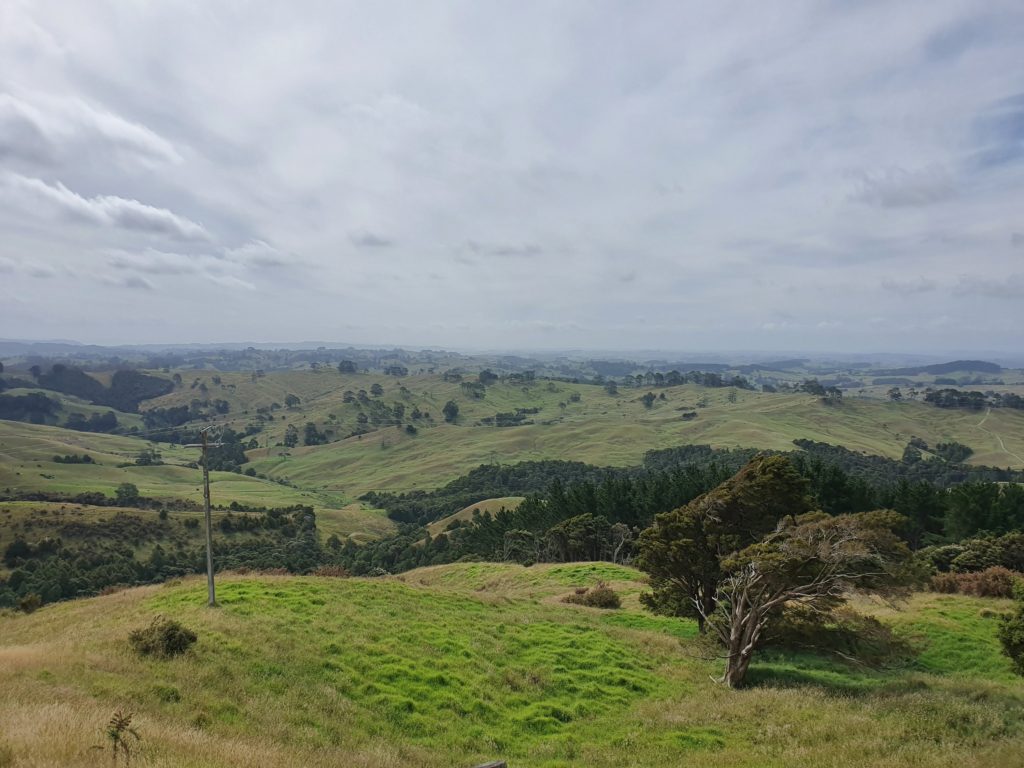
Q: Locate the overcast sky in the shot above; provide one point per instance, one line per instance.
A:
(613, 175)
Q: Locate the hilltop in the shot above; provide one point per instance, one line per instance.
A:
(459, 664)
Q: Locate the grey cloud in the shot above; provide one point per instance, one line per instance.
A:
(42, 272)
(898, 187)
(1009, 287)
(1017, 239)
(371, 240)
(910, 287)
(154, 262)
(957, 38)
(104, 210)
(998, 133)
(526, 250)
(138, 283)
(132, 282)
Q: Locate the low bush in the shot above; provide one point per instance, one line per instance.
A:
(332, 571)
(30, 602)
(991, 582)
(598, 596)
(947, 583)
(1011, 636)
(995, 581)
(163, 638)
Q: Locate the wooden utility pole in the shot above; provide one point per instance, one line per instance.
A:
(212, 601)
(209, 526)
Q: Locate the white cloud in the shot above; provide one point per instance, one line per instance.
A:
(103, 210)
(898, 187)
(49, 130)
(231, 281)
(257, 253)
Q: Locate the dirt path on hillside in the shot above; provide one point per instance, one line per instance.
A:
(1002, 445)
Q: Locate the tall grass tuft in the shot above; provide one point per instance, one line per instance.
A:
(598, 596)
(163, 638)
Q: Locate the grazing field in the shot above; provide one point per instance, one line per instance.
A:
(560, 420)
(26, 464)
(618, 431)
(455, 665)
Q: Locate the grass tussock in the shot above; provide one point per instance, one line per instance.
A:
(162, 639)
(598, 596)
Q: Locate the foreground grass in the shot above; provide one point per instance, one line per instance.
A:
(458, 664)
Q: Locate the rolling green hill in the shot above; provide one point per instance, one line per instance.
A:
(26, 464)
(600, 429)
(70, 404)
(560, 420)
(460, 664)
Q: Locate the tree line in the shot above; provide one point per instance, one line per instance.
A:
(572, 508)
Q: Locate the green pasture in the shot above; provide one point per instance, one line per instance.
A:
(456, 665)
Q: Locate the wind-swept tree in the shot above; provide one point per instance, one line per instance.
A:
(814, 561)
(683, 550)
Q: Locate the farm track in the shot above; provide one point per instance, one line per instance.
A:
(999, 439)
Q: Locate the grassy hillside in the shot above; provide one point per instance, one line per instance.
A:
(26, 464)
(617, 431)
(71, 404)
(486, 505)
(572, 421)
(579, 421)
(459, 664)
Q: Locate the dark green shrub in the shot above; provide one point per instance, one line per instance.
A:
(599, 596)
(978, 554)
(844, 633)
(30, 602)
(331, 571)
(1011, 635)
(163, 638)
(942, 557)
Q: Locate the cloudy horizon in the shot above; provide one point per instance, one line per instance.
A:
(727, 176)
